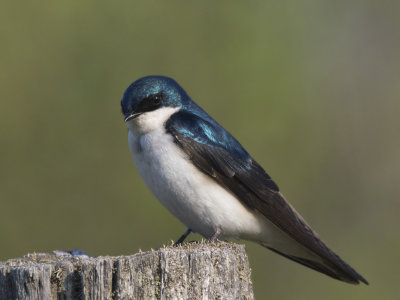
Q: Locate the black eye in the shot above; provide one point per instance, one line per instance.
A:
(156, 99)
(150, 103)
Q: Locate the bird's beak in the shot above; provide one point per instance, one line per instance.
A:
(131, 116)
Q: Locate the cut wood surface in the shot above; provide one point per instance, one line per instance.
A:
(192, 271)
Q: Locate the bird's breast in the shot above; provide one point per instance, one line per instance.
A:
(193, 197)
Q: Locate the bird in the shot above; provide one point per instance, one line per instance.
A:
(209, 182)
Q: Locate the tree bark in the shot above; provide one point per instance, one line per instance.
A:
(192, 271)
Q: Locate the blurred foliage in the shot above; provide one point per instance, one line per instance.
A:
(311, 88)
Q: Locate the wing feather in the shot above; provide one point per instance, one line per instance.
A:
(218, 154)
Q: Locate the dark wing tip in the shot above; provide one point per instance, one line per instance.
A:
(362, 279)
(351, 276)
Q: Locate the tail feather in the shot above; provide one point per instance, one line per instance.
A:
(346, 274)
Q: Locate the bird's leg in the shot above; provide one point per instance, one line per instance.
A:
(215, 235)
(183, 237)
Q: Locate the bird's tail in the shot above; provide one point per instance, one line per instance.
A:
(335, 267)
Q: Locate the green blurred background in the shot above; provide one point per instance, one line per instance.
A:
(311, 88)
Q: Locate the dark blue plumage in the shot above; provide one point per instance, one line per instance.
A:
(172, 93)
(213, 149)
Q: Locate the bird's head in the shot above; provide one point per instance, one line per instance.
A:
(150, 101)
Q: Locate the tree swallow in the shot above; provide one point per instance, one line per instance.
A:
(207, 180)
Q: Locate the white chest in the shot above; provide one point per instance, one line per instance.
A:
(194, 198)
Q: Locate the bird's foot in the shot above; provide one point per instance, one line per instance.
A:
(215, 236)
(183, 237)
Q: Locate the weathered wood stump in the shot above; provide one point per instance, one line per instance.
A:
(192, 271)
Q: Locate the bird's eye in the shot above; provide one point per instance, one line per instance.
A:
(156, 99)
(150, 103)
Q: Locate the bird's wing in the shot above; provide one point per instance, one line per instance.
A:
(218, 154)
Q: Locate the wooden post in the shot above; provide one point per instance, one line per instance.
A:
(192, 271)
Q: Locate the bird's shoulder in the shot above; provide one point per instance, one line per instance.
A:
(213, 149)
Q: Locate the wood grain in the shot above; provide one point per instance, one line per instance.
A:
(192, 271)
